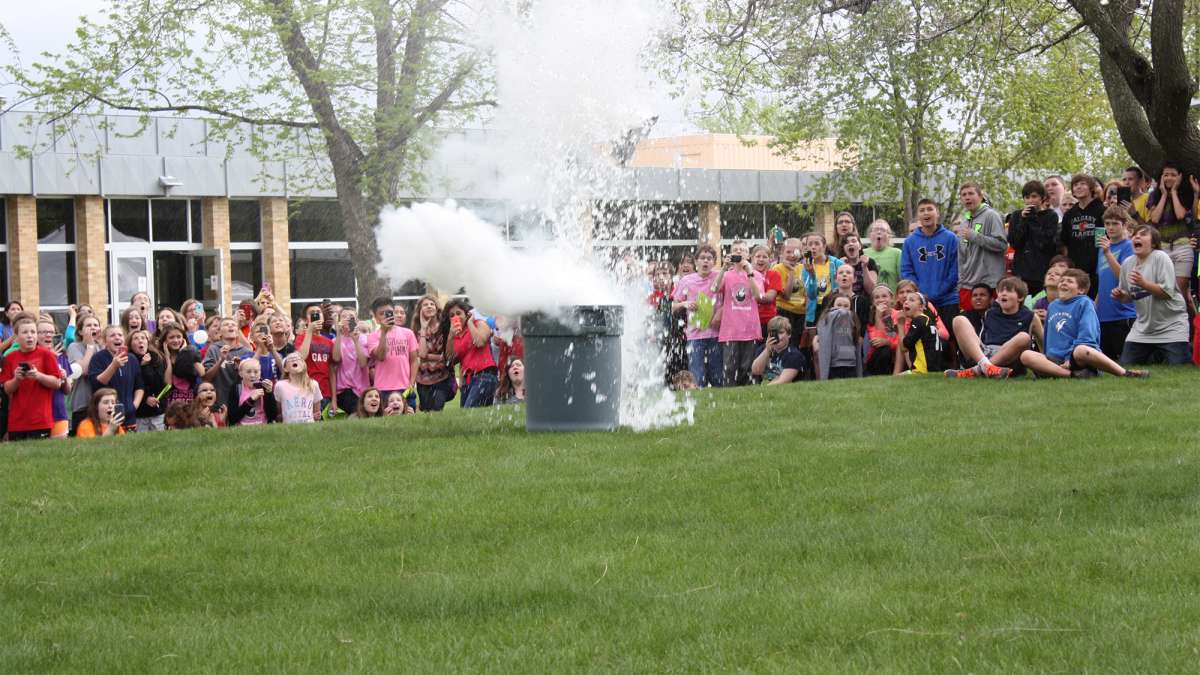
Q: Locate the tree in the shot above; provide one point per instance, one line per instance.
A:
(367, 78)
(1150, 96)
(920, 95)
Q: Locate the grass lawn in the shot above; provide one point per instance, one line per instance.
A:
(889, 524)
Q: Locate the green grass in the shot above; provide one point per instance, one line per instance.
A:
(889, 524)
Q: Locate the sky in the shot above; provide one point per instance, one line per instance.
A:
(36, 30)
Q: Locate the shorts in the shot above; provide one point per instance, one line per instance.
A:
(1069, 364)
(990, 351)
(1182, 256)
(36, 434)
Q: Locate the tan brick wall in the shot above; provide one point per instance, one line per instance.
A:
(710, 224)
(215, 234)
(21, 216)
(824, 221)
(91, 260)
(277, 266)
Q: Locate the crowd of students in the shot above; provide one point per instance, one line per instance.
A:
(1087, 277)
(183, 369)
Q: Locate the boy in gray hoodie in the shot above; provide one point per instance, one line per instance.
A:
(982, 243)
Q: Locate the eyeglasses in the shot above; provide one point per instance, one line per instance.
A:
(46, 332)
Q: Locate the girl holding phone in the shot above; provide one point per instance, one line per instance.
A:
(469, 345)
(104, 416)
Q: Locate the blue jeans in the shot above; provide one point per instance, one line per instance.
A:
(705, 362)
(481, 391)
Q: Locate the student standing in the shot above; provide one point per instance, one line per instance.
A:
(981, 244)
(737, 290)
(30, 377)
(693, 296)
(886, 256)
(930, 258)
(1034, 235)
(1082, 226)
(1116, 317)
(393, 349)
(114, 369)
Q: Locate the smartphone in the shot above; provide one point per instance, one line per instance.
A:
(260, 385)
(118, 409)
(247, 310)
(25, 367)
(456, 324)
(735, 259)
(56, 341)
(314, 316)
(1124, 194)
(808, 255)
(352, 323)
(326, 302)
(266, 287)
(263, 330)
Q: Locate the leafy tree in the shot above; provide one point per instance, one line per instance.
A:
(920, 95)
(1149, 57)
(353, 82)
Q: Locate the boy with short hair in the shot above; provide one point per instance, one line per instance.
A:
(1116, 316)
(1033, 232)
(693, 296)
(393, 350)
(1160, 331)
(1007, 330)
(317, 352)
(30, 376)
(1073, 335)
(778, 360)
(981, 299)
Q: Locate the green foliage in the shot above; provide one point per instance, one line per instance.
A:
(904, 524)
(920, 96)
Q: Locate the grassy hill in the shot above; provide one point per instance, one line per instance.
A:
(885, 524)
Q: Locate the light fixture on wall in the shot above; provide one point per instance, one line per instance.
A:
(168, 182)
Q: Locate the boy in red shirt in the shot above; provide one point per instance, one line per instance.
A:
(317, 351)
(31, 376)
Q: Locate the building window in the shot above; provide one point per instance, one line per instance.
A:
(246, 273)
(129, 220)
(245, 221)
(322, 273)
(56, 278)
(794, 220)
(315, 220)
(742, 221)
(197, 221)
(169, 220)
(56, 221)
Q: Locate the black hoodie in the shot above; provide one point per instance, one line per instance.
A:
(1035, 240)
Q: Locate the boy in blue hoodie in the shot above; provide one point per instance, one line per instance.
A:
(930, 258)
(1073, 335)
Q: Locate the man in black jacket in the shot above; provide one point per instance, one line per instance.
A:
(1033, 233)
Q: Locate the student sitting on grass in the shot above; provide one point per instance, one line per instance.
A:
(370, 404)
(1039, 302)
(31, 376)
(838, 344)
(981, 300)
(396, 405)
(1160, 332)
(683, 381)
(882, 334)
(778, 361)
(1073, 335)
(298, 396)
(1006, 331)
(249, 401)
(924, 349)
(103, 419)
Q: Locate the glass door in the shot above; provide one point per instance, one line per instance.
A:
(130, 272)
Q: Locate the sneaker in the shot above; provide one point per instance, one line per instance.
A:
(1140, 374)
(965, 372)
(1083, 374)
(997, 372)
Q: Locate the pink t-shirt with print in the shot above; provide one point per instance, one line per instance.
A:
(690, 288)
(739, 313)
(394, 372)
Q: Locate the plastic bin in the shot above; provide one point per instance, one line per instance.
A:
(573, 369)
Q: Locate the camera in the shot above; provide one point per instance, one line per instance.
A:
(314, 316)
(735, 259)
(260, 385)
(352, 323)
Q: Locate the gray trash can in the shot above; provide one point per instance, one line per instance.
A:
(573, 369)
